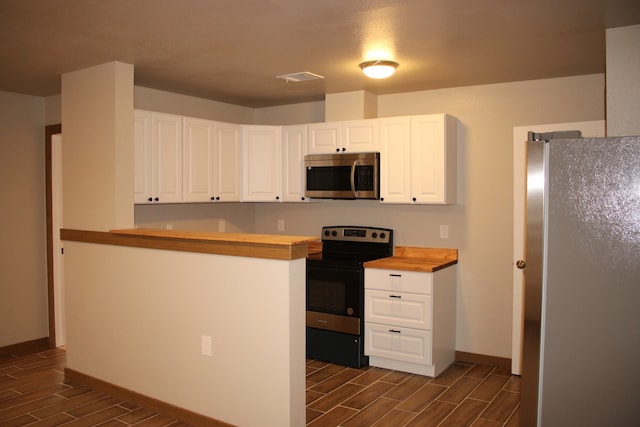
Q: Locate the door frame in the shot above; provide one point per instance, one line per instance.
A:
(49, 131)
(595, 128)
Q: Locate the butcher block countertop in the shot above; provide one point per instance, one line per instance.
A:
(269, 246)
(416, 259)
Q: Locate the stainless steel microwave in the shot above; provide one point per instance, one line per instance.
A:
(343, 176)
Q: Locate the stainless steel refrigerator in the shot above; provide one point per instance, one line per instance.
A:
(581, 347)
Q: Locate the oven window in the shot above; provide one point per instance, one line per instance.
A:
(335, 290)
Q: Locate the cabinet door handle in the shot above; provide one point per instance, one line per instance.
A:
(395, 331)
(395, 296)
(395, 275)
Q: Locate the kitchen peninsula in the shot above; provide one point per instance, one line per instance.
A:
(206, 324)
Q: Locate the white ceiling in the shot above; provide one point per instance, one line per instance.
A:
(231, 51)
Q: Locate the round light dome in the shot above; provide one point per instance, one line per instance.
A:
(379, 69)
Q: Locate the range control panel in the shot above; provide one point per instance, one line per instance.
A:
(357, 234)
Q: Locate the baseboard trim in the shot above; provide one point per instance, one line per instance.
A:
(181, 414)
(481, 359)
(27, 347)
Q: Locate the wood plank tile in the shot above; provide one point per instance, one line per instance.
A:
(69, 404)
(91, 407)
(479, 371)
(432, 415)
(371, 375)
(28, 406)
(408, 387)
(99, 417)
(335, 381)
(333, 418)
(465, 413)
(324, 373)
(137, 415)
(502, 406)
(451, 374)
(489, 388)
(422, 398)
(460, 389)
(55, 420)
(371, 413)
(395, 418)
(336, 397)
(368, 395)
(20, 420)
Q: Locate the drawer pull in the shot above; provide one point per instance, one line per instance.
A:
(395, 275)
(395, 296)
(395, 331)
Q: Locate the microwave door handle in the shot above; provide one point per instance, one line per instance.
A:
(353, 178)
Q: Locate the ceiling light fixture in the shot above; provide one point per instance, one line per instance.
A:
(379, 69)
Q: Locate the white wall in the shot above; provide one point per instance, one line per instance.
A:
(481, 223)
(97, 152)
(23, 277)
(623, 81)
(136, 316)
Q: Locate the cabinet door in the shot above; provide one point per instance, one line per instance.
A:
(227, 159)
(433, 159)
(262, 164)
(142, 157)
(398, 308)
(198, 174)
(167, 157)
(359, 136)
(395, 160)
(294, 148)
(392, 342)
(325, 138)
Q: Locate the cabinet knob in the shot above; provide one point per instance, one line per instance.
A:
(337, 149)
(344, 149)
(277, 197)
(414, 199)
(150, 199)
(382, 199)
(302, 198)
(157, 199)
(217, 197)
(212, 198)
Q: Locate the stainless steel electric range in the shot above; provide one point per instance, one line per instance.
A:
(335, 292)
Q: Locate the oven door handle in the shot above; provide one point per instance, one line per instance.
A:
(353, 178)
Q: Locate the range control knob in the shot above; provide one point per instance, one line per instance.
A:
(374, 234)
(326, 232)
(382, 235)
(334, 233)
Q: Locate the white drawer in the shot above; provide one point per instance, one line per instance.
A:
(404, 344)
(398, 280)
(397, 308)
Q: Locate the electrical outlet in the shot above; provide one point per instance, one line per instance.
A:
(444, 231)
(205, 345)
(281, 225)
(221, 225)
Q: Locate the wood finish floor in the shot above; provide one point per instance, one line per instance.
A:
(34, 392)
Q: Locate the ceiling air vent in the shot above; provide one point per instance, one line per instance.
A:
(300, 77)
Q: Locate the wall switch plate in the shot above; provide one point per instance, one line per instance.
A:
(281, 225)
(221, 225)
(444, 231)
(205, 345)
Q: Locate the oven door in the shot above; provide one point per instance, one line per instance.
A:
(335, 296)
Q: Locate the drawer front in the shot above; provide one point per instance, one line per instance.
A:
(405, 344)
(397, 308)
(398, 281)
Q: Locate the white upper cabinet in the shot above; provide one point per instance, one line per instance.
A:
(198, 167)
(418, 159)
(262, 161)
(325, 138)
(158, 161)
(352, 136)
(227, 159)
(395, 160)
(294, 148)
(360, 136)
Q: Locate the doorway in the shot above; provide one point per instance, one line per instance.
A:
(55, 282)
(520, 134)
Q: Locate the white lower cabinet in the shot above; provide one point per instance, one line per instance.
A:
(410, 319)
